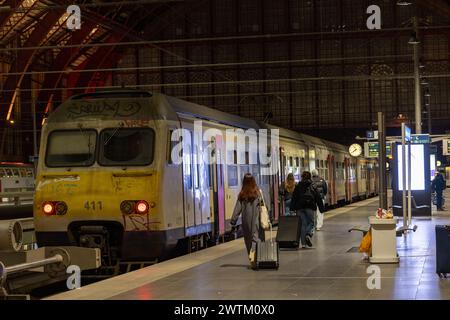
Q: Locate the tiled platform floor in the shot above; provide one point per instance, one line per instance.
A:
(326, 271)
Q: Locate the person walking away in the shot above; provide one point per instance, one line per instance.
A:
(248, 206)
(321, 185)
(286, 191)
(305, 200)
(438, 185)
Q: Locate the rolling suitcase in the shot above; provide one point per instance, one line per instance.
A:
(288, 235)
(442, 250)
(267, 254)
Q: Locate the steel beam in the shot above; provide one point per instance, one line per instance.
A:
(5, 15)
(25, 58)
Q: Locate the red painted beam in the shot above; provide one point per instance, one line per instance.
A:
(63, 59)
(106, 57)
(25, 58)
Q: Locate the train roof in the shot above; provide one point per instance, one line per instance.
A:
(206, 113)
(125, 104)
(141, 104)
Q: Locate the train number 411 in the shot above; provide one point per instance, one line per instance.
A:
(93, 205)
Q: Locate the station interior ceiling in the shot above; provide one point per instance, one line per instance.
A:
(311, 66)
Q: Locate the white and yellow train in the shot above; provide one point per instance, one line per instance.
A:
(106, 177)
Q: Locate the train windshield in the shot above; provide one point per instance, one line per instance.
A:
(129, 147)
(71, 148)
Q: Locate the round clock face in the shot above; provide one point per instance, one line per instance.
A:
(355, 150)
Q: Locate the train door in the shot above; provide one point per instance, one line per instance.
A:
(189, 210)
(347, 178)
(332, 179)
(217, 186)
(201, 190)
(367, 174)
(275, 186)
(282, 177)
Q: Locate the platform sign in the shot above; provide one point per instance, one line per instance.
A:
(407, 133)
(420, 139)
(446, 147)
(372, 150)
(372, 134)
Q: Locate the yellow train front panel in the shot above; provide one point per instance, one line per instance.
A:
(120, 207)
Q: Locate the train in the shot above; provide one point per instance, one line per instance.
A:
(108, 176)
(17, 183)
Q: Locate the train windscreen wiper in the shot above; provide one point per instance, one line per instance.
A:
(113, 134)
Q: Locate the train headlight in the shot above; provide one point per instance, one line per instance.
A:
(142, 207)
(48, 208)
(127, 207)
(61, 208)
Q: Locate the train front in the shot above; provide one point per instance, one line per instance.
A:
(97, 179)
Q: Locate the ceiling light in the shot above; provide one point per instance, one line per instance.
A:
(403, 3)
(413, 40)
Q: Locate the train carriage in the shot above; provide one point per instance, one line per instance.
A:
(122, 171)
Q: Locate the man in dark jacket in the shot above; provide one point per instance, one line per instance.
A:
(438, 185)
(321, 186)
(305, 200)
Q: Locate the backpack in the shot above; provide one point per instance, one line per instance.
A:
(319, 184)
(307, 199)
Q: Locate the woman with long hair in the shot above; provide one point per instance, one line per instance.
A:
(248, 205)
(286, 191)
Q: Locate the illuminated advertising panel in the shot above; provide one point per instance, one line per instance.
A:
(417, 167)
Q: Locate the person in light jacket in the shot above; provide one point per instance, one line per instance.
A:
(248, 206)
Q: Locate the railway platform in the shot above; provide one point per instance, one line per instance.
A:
(332, 269)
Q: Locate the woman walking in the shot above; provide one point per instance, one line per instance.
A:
(248, 205)
(286, 191)
(305, 200)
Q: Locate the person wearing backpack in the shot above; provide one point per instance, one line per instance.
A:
(248, 204)
(321, 186)
(305, 200)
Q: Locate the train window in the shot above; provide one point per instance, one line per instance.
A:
(317, 164)
(297, 162)
(23, 173)
(303, 162)
(71, 148)
(130, 147)
(244, 170)
(255, 173)
(2, 173)
(30, 173)
(9, 172)
(326, 163)
(291, 162)
(232, 176)
(321, 163)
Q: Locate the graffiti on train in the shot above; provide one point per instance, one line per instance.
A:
(115, 109)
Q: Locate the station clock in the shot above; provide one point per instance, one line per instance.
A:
(355, 150)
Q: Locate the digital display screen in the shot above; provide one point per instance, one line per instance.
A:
(432, 166)
(417, 167)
